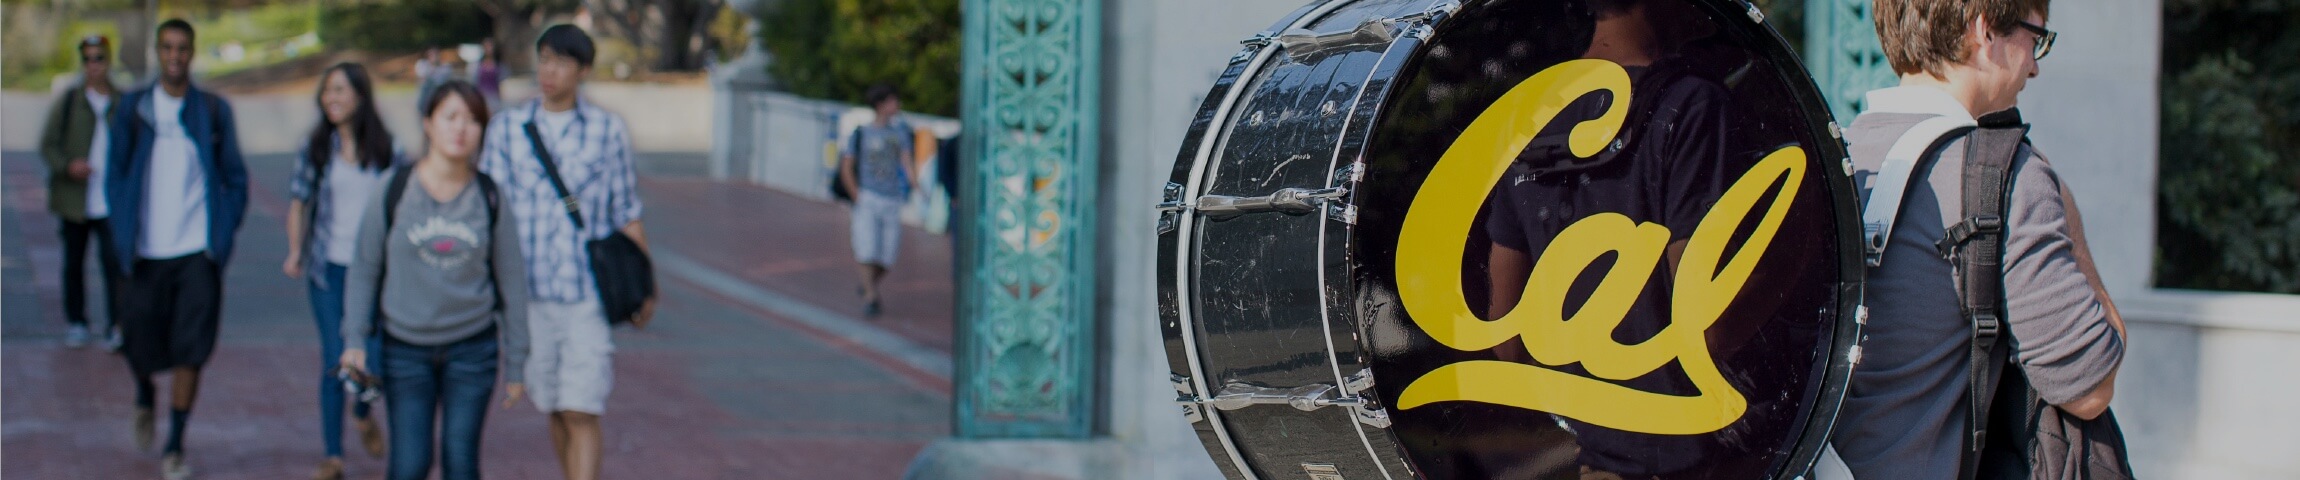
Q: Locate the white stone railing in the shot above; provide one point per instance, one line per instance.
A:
(787, 143)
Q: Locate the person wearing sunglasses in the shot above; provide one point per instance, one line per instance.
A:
(2035, 318)
(74, 133)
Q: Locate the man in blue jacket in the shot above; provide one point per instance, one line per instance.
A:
(178, 194)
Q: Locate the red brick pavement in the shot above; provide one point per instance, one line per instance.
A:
(799, 247)
(715, 391)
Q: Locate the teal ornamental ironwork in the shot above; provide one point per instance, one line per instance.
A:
(1026, 324)
(1842, 50)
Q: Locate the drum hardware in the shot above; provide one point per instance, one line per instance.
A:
(1290, 201)
(1854, 356)
(1344, 211)
(1755, 14)
(1861, 315)
(1170, 208)
(1182, 392)
(1254, 44)
(1322, 471)
(1307, 398)
(1304, 45)
(1356, 385)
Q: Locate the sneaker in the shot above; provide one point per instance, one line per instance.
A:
(172, 467)
(871, 309)
(76, 337)
(332, 469)
(370, 436)
(143, 428)
(112, 339)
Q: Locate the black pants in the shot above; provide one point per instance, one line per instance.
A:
(170, 314)
(75, 270)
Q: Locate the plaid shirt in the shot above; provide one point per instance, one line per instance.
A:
(594, 157)
(309, 187)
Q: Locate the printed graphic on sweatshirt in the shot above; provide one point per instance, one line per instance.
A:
(444, 244)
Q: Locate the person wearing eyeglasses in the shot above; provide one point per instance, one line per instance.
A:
(1920, 405)
(74, 133)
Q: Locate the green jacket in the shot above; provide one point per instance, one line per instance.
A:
(71, 126)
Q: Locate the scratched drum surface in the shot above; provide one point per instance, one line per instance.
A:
(1560, 283)
(1263, 288)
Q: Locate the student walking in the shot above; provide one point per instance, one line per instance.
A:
(180, 189)
(1981, 272)
(75, 141)
(875, 164)
(439, 261)
(341, 168)
(565, 168)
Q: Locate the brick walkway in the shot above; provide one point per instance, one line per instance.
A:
(721, 388)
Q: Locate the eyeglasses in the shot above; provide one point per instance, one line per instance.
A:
(2044, 38)
(94, 58)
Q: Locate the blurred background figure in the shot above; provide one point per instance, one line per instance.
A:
(876, 167)
(339, 171)
(182, 188)
(439, 278)
(75, 142)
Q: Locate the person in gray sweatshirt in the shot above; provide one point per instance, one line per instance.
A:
(443, 270)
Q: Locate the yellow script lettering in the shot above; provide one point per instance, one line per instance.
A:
(1430, 251)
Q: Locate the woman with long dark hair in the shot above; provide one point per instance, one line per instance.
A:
(440, 276)
(340, 169)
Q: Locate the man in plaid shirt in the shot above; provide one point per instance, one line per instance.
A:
(569, 368)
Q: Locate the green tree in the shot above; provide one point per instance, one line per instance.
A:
(836, 49)
(2229, 161)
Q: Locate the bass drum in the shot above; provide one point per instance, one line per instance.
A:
(1512, 239)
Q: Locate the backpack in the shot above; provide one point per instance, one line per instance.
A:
(397, 189)
(854, 148)
(2033, 439)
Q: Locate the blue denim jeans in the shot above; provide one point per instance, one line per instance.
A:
(449, 384)
(327, 310)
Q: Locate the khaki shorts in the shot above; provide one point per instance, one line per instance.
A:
(570, 361)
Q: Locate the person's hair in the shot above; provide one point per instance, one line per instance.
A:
(94, 41)
(372, 140)
(878, 94)
(1607, 8)
(1924, 36)
(176, 24)
(472, 100)
(568, 41)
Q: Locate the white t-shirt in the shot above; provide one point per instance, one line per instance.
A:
(550, 124)
(175, 186)
(349, 189)
(99, 153)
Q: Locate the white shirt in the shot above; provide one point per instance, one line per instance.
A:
(175, 187)
(99, 154)
(350, 188)
(550, 123)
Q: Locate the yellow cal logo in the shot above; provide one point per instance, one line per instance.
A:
(1429, 275)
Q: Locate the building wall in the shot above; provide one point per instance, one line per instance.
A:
(2206, 381)
(1159, 60)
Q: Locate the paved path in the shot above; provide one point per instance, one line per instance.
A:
(758, 367)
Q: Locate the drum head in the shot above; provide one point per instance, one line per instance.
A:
(1606, 237)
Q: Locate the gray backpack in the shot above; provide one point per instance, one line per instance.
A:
(2032, 439)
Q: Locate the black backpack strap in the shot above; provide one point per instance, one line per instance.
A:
(1975, 250)
(488, 193)
(392, 192)
(551, 169)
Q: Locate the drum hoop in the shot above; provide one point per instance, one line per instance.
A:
(1412, 42)
(1185, 225)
